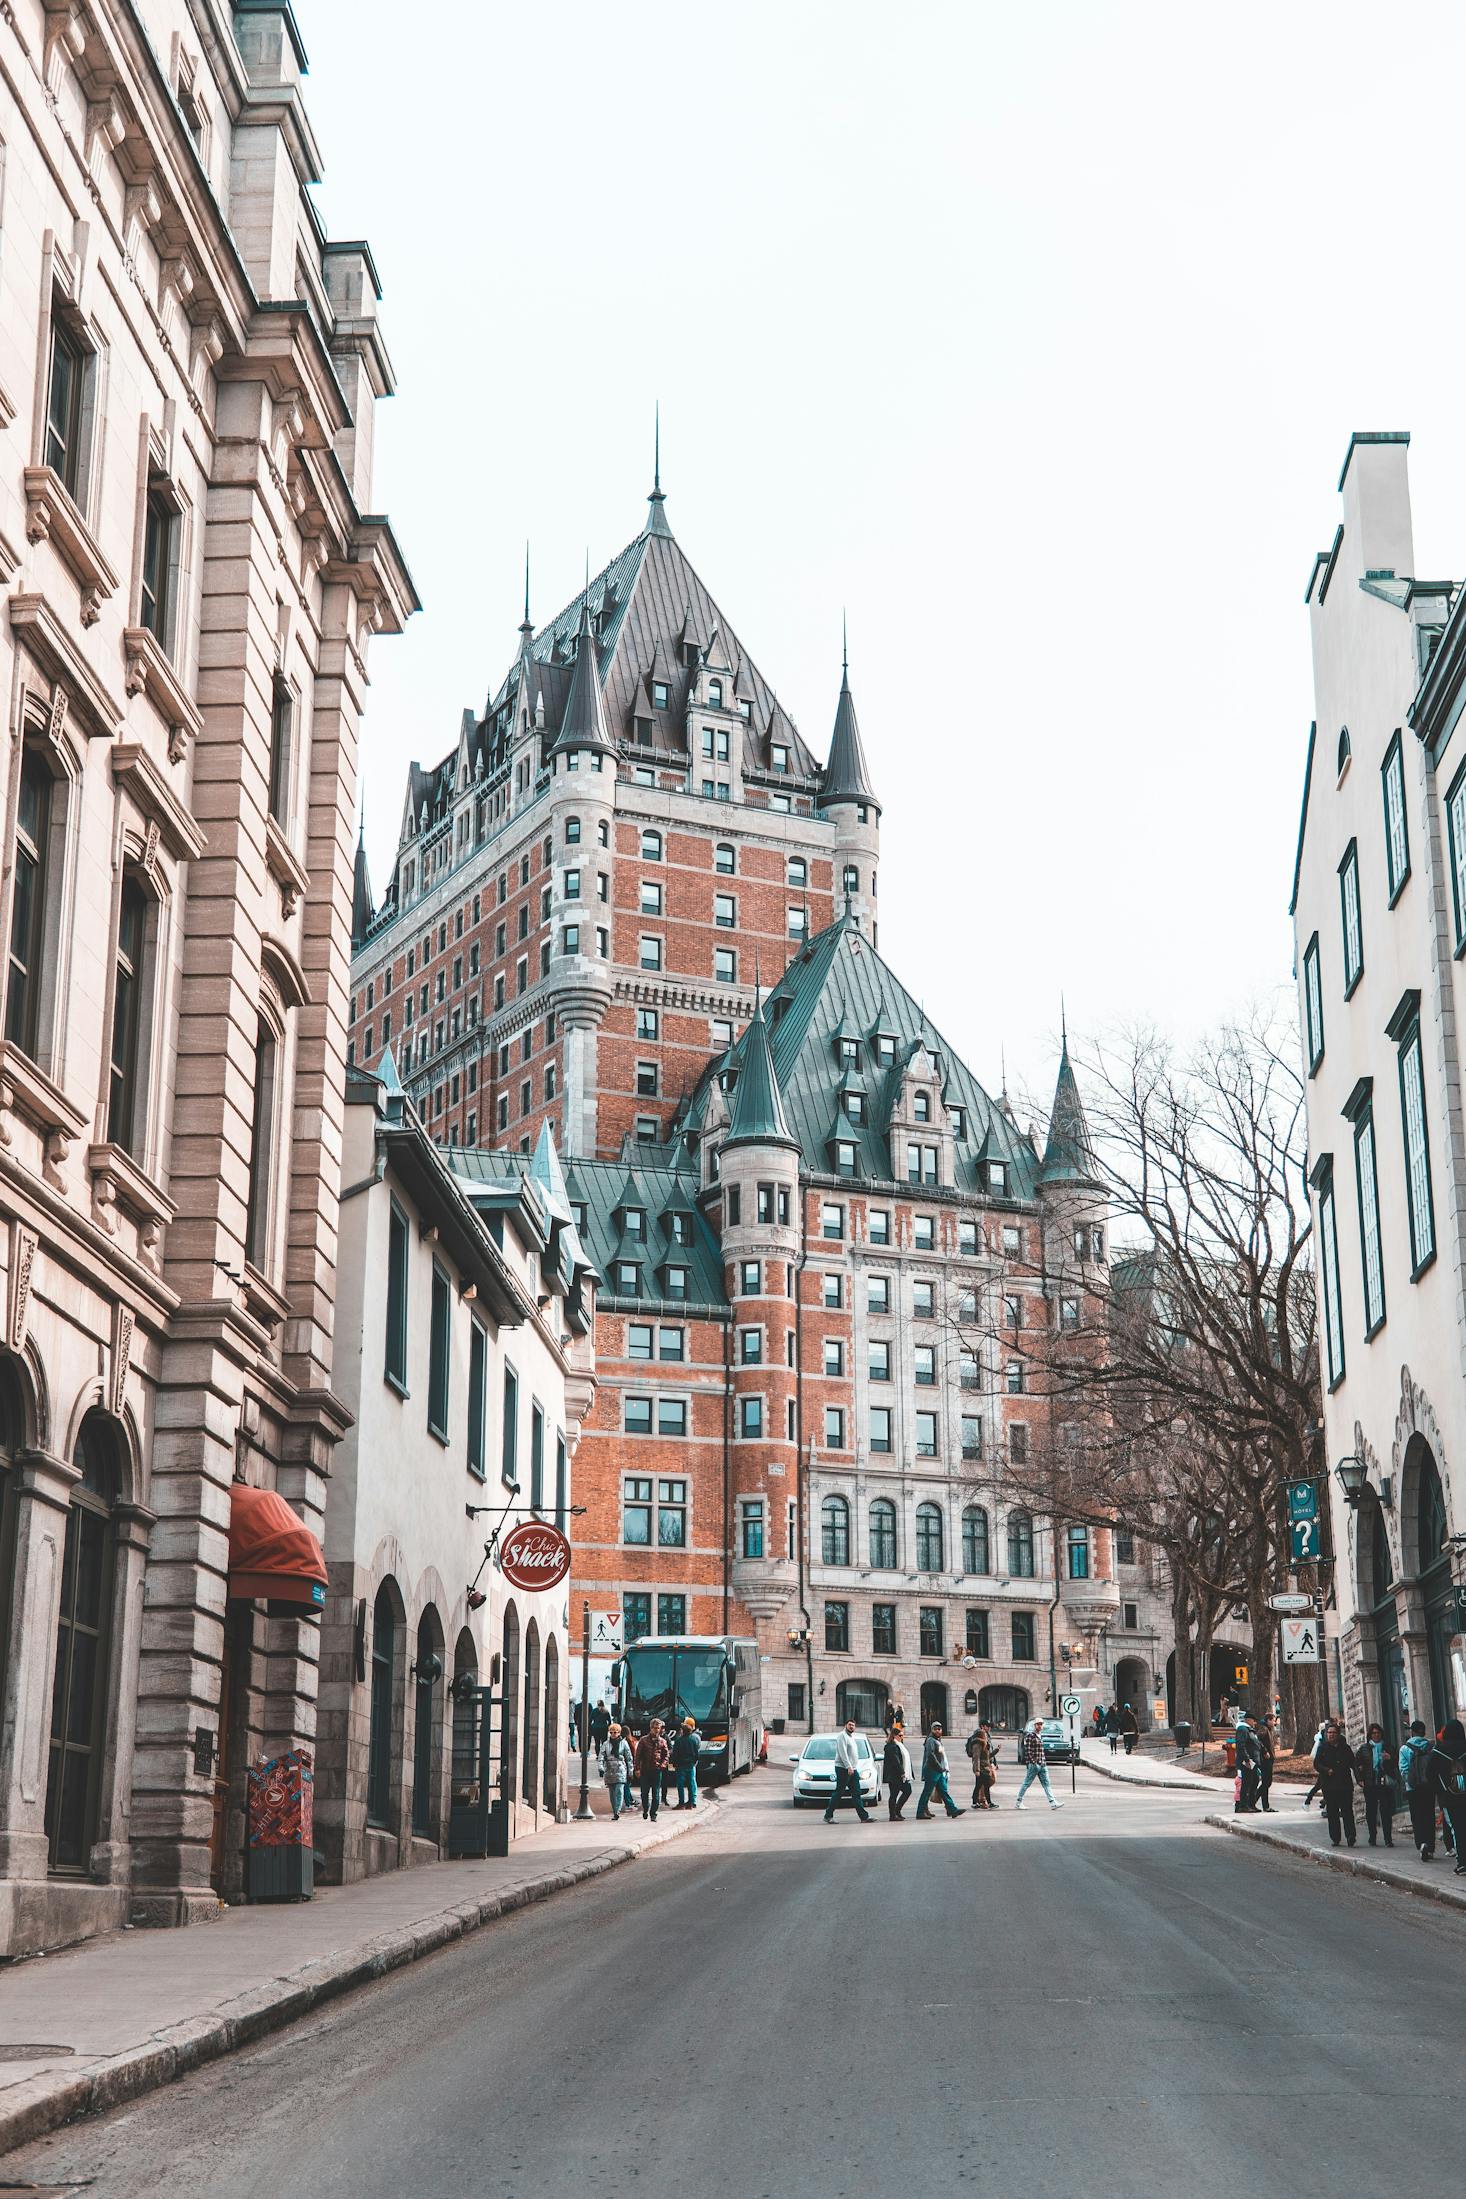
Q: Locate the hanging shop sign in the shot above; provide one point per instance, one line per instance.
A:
(533, 1556)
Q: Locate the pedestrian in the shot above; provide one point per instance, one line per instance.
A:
(1112, 1726)
(896, 1716)
(1129, 1729)
(847, 1775)
(1249, 1766)
(896, 1771)
(980, 1750)
(1377, 1769)
(1267, 1749)
(652, 1758)
(1335, 1766)
(600, 1725)
(1096, 1722)
(615, 1762)
(1446, 1765)
(1035, 1763)
(1419, 1789)
(686, 1747)
(934, 1769)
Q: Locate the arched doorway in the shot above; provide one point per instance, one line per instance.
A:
(532, 1712)
(1227, 1660)
(12, 1443)
(1132, 1681)
(509, 1708)
(934, 1706)
(1375, 1598)
(1425, 1525)
(427, 1732)
(866, 1701)
(1004, 1708)
(83, 1648)
(552, 1725)
(463, 1771)
(382, 1715)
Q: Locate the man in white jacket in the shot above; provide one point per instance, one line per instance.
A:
(847, 1775)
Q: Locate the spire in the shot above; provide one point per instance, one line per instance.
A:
(847, 775)
(1068, 1153)
(758, 1106)
(362, 910)
(584, 723)
(526, 624)
(656, 515)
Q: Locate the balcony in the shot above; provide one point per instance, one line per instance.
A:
(764, 1585)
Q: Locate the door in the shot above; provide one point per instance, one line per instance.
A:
(236, 1623)
(1392, 1705)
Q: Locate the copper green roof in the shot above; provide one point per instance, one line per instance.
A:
(757, 1116)
(1068, 1154)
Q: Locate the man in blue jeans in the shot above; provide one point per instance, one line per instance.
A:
(847, 1775)
(934, 1775)
(685, 1751)
(1035, 1766)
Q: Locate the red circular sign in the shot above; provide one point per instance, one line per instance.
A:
(533, 1555)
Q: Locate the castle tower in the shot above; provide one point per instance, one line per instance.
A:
(582, 761)
(848, 799)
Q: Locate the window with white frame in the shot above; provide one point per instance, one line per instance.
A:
(1328, 1242)
(1352, 922)
(1313, 1004)
(1404, 1028)
(1397, 829)
(1360, 1111)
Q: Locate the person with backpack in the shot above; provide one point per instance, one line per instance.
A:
(1378, 1768)
(1419, 1789)
(1446, 1768)
(934, 1774)
(686, 1748)
(615, 1762)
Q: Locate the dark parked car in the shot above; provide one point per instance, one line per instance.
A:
(1058, 1747)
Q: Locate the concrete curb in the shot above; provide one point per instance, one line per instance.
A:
(1189, 1783)
(1349, 1861)
(35, 2107)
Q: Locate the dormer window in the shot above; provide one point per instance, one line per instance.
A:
(633, 1224)
(677, 1279)
(848, 1050)
(745, 711)
(998, 1178)
(715, 694)
(626, 1278)
(921, 1107)
(681, 1228)
(659, 694)
(957, 1116)
(779, 757)
(885, 1049)
(854, 1106)
(844, 1157)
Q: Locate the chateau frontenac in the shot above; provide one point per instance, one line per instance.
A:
(632, 908)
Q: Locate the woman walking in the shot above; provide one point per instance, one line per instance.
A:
(1334, 1764)
(652, 1759)
(896, 1771)
(615, 1763)
(1379, 1775)
(1446, 1765)
(980, 1749)
(1267, 1748)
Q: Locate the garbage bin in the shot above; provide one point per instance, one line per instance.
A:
(279, 1861)
(1231, 1749)
(1182, 1731)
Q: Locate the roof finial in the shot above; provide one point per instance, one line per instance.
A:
(1063, 1027)
(844, 650)
(1003, 1069)
(657, 519)
(526, 624)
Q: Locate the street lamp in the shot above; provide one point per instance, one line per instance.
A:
(1352, 1473)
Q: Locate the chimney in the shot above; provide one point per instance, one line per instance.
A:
(1375, 486)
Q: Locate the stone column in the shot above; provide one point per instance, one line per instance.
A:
(40, 1537)
(132, 1531)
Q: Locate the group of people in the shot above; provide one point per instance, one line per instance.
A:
(650, 1760)
(898, 1776)
(1257, 1748)
(1119, 1723)
(1429, 1775)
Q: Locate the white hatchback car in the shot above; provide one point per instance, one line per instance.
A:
(814, 1771)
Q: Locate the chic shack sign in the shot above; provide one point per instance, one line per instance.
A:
(534, 1556)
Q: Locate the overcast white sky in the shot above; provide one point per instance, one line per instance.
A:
(1033, 335)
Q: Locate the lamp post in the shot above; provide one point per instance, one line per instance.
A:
(585, 1814)
(1351, 1473)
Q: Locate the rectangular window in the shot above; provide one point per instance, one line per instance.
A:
(160, 550)
(478, 1393)
(1124, 1546)
(636, 1618)
(878, 1225)
(651, 897)
(1018, 1442)
(750, 1347)
(672, 1515)
(438, 1356)
(124, 1081)
(880, 1428)
(832, 1291)
(651, 953)
(834, 1428)
(1352, 922)
(725, 965)
(1023, 1638)
(1313, 1004)
(1397, 830)
(926, 1366)
(636, 1511)
(562, 1482)
(967, 1240)
(883, 1629)
(924, 1232)
(394, 1367)
(834, 1355)
(971, 1436)
(976, 1634)
(1328, 1241)
(878, 1362)
(65, 408)
(261, 1146)
(750, 1416)
(926, 1435)
(1456, 833)
(1068, 1313)
(536, 1459)
(753, 1527)
(509, 1451)
(751, 1281)
(832, 1220)
(929, 1629)
(1366, 1179)
(1012, 1312)
(725, 912)
(837, 1626)
(1013, 1377)
(646, 1080)
(648, 1023)
(923, 1300)
(1417, 1139)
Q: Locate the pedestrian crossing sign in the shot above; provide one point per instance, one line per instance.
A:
(1301, 1639)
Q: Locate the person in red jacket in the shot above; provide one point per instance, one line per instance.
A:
(652, 1759)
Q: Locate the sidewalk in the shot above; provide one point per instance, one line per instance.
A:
(94, 2025)
(1144, 1770)
(1304, 1832)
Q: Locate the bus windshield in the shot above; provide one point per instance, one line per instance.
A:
(675, 1684)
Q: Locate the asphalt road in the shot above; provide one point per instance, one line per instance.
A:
(1111, 2001)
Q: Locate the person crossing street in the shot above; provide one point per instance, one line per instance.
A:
(1035, 1764)
(896, 1771)
(847, 1774)
(934, 1769)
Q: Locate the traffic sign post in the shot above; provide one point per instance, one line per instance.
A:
(1290, 1601)
(1072, 1706)
(1302, 1642)
(1305, 1541)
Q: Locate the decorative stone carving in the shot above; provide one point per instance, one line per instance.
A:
(56, 1154)
(23, 1243)
(122, 1328)
(104, 1202)
(150, 851)
(150, 1245)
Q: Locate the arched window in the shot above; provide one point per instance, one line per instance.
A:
(715, 694)
(883, 1533)
(1344, 749)
(1379, 1553)
(532, 1709)
(1003, 1707)
(835, 1531)
(427, 1671)
(1430, 1514)
(80, 1690)
(725, 861)
(974, 1539)
(651, 845)
(384, 1686)
(1077, 1543)
(928, 1538)
(1020, 1545)
(465, 1768)
(863, 1700)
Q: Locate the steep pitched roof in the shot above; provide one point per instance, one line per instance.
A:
(847, 774)
(362, 910)
(584, 722)
(758, 1110)
(1068, 1154)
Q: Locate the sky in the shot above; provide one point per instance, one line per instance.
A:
(1030, 338)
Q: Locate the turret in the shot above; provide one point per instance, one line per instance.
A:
(848, 799)
(362, 910)
(583, 798)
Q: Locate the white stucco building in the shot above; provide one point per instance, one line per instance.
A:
(1379, 912)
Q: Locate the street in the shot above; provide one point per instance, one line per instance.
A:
(1114, 1999)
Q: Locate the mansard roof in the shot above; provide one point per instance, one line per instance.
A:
(839, 984)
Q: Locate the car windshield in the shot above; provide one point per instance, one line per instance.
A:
(673, 1684)
(822, 1747)
(1053, 1725)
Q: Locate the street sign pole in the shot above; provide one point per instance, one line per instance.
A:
(585, 1814)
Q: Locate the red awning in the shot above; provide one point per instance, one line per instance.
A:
(272, 1552)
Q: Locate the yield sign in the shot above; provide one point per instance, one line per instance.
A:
(1301, 1642)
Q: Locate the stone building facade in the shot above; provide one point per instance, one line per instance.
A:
(1379, 915)
(464, 1356)
(190, 574)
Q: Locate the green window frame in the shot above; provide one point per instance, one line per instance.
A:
(1456, 834)
(394, 1367)
(1360, 1111)
(478, 1398)
(1397, 823)
(1404, 1029)
(1351, 918)
(509, 1453)
(1313, 1004)
(1328, 1244)
(438, 1355)
(536, 1457)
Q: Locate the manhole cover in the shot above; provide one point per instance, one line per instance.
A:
(31, 2051)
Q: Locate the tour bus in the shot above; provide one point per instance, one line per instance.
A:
(713, 1678)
